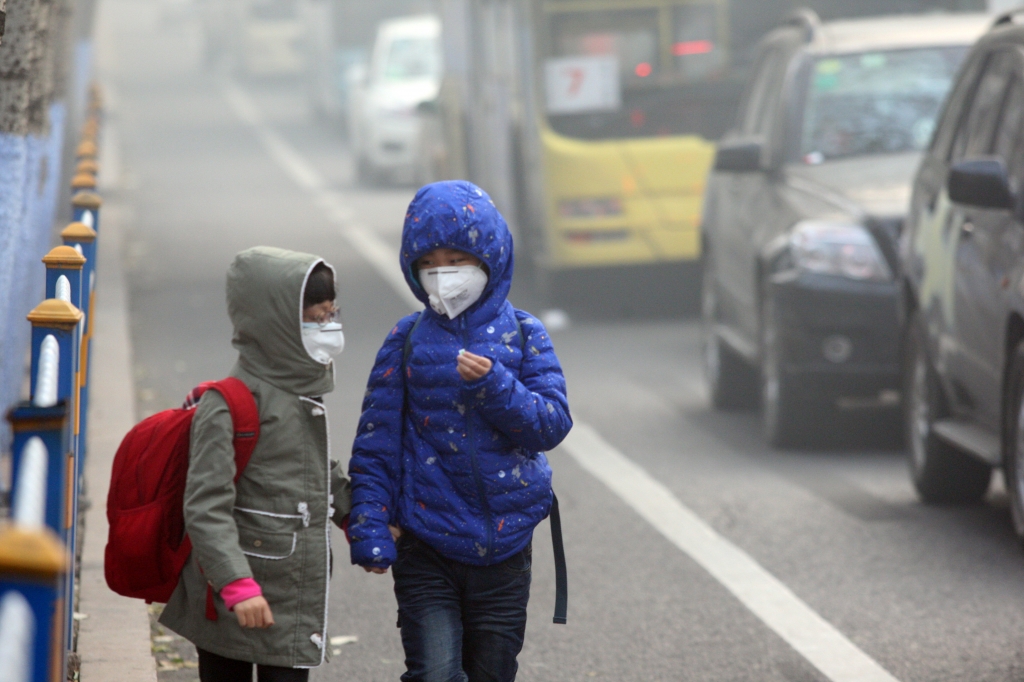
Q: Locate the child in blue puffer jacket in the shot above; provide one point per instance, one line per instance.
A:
(449, 476)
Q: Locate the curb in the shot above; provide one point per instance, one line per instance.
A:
(114, 639)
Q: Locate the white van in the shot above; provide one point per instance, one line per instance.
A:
(404, 72)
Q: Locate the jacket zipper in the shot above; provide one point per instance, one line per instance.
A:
(481, 491)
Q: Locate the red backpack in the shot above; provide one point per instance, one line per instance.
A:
(147, 546)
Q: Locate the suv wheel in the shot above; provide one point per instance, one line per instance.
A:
(1014, 430)
(731, 381)
(941, 473)
(788, 413)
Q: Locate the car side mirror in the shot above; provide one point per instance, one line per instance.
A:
(981, 182)
(739, 157)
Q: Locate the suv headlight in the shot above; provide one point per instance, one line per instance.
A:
(842, 249)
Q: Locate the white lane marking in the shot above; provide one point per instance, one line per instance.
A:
(382, 257)
(766, 596)
(814, 638)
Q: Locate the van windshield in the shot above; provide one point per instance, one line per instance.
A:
(411, 58)
(875, 102)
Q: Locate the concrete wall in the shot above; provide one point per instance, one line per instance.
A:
(34, 56)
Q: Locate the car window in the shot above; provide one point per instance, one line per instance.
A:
(878, 102)
(958, 102)
(764, 94)
(1009, 137)
(977, 130)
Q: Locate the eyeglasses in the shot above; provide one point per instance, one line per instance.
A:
(329, 317)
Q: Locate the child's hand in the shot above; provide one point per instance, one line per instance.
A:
(471, 366)
(396, 533)
(254, 613)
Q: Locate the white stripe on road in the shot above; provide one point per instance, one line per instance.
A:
(769, 599)
(812, 636)
(383, 258)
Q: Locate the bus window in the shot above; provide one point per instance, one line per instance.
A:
(631, 36)
(697, 52)
(663, 88)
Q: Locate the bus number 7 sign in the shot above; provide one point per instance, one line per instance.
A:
(577, 85)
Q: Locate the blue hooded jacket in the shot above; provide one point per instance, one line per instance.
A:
(458, 464)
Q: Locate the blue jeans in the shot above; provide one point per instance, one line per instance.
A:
(460, 623)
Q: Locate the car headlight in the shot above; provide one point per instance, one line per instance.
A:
(842, 249)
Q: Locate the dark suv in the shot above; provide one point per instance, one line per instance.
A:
(804, 208)
(963, 264)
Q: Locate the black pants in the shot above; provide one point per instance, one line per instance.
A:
(214, 668)
(460, 623)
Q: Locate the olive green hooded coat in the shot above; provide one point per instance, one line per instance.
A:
(274, 525)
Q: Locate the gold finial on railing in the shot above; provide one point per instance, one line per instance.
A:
(54, 312)
(86, 200)
(64, 257)
(83, 181)
(78, 232)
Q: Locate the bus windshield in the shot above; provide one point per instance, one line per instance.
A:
(624, 73)
(875, 102)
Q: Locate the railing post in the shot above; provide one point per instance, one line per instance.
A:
(34, 563)
(56, 319)
(87, 150)
(64, 270)
(56, 326)
(85, 208)
(82, 238)
(89, 166)
(83, 182)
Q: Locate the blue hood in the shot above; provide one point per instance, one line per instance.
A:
(457, 214)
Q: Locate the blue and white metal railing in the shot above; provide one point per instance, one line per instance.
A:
(38, 544)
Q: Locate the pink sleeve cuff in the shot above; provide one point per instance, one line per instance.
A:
(239, 591)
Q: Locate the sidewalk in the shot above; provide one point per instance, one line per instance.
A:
(114, 642)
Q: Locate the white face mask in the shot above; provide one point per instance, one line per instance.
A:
(322, 342)
(453, 289)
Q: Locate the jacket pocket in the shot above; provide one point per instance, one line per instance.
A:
(266, 535)
(264, 544)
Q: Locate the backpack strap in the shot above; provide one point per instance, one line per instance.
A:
(245, 416)
(245, 419)
(561, 574)
(408, 338)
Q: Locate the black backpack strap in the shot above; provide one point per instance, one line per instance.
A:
(561, 575)
(408, 338)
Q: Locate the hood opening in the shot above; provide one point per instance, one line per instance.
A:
(457, 214)
(265, 285)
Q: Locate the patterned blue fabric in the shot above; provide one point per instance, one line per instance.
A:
(461, 466)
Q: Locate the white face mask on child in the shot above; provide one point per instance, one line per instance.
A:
(323, 342)
(453, 289)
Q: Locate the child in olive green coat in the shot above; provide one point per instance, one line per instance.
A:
(255, 589)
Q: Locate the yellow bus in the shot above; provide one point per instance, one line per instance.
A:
(591, 123)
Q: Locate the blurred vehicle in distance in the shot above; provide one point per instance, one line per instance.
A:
(963, 273)
(404, 71)
(252, 37)
(591, 124)
(804, 209)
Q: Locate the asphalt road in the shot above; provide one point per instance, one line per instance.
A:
(926, 593)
